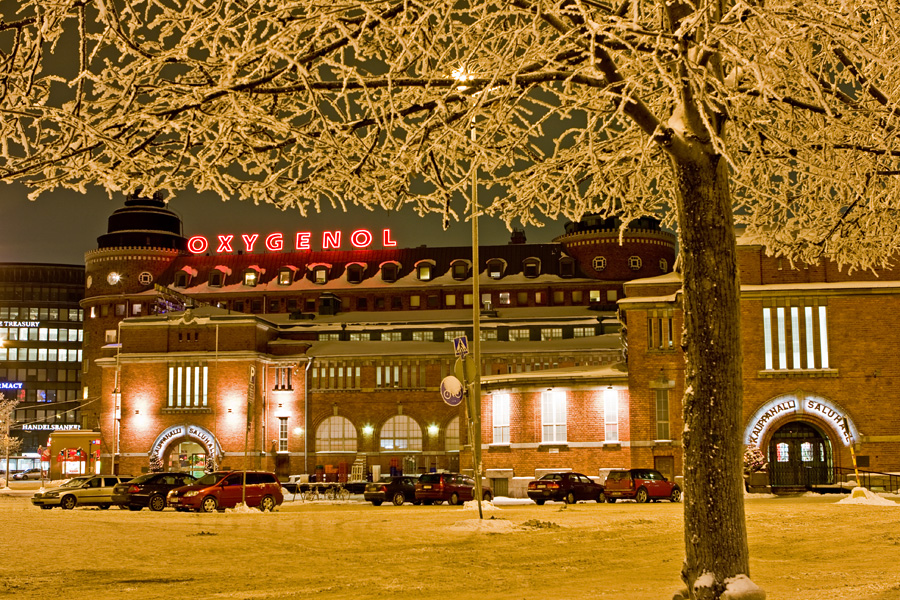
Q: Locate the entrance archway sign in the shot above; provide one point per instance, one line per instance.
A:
(194, 432)
(793, 404)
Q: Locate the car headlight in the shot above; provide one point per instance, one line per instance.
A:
(189, 494)
(51, 494)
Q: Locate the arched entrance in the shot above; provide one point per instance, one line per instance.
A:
(187, 448)
(799, 455)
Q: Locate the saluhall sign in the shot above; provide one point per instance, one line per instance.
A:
(360, 239)
(815, 406)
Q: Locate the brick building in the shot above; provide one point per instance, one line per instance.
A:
(311, 352)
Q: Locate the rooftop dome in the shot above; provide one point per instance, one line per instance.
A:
(143, 222)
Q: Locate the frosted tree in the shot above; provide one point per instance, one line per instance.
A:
(778, 115)
(9, 444)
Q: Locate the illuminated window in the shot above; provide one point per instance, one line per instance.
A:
(283, 378)
(336, 434)
(594, 296)
(452, 334)
(424, 271)
(360, 336)
(450, 300)
(415, 301)
(282, 434)
(488, 335)
(611, 414)
(662, 414)
(789, 337)
(806, 452)
(504, 298)
(553, 416)
(451, 436)
(110, 336)
(251, 277)
(551, 333)
(423, 336)
(188, 385)
(782, 451)
(285, 277)
(500, 418)
(460, 270)
(391, 336)
(401, 433)
(496, 267)
(519, 335)
(320, 275)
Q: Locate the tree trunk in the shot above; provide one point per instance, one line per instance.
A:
(715, 533)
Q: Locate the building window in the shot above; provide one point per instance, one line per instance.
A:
(354, 273)
(360, 336)
(663, 265)
(423, 336)
(181, 279)
(634, 263)
(415, 301)
(320, 275)
(110, 336)
(329, 337)
(559, 297)
(594, 296)
(500, 416)
(452, 334)
(136, 309)
(504, 298)
(460, 270)
(450, 300)
(336, 434)
(401, 433)
(551, 333)
(396, 303)
(496, 267)
(662, 414)
(285, 277)
(553, 417)
(146, 278)
(519, 335)
(451, 436)
(488, 335)
(790, 335)
(467, 299)
(531, 268)
(567, 267)
(216, 278)
(577, 296)
(611, 414)
(583, 332)
(282, 434)
(424, 272)
(391, 336)
(390, 272)
(120, 310)
(188, 386)
(660, 330)
(283, 378)
(599, 263)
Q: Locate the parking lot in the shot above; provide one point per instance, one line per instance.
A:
(801, 547)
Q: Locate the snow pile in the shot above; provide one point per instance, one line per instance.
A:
(861, 495)
(242, 508)
(491, 525)
(485, 506)
(740, 587)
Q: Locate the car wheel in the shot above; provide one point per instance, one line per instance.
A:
(156, 503)
(601, 498)
(399, 499)
(487, 496)
(642, 496)
(377, 502)
(134, 507)
(570, 498)
(539, 502)
(676, 495)
(417, 502)
(68, 502)
(267, 504)
(454, 499)
(209, 504)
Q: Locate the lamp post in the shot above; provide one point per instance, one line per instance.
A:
(475, 413)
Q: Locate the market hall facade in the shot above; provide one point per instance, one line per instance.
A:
(302, 352)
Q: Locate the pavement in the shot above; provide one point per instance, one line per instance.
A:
(24, 489)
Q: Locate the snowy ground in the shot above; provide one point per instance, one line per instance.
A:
(803, 548)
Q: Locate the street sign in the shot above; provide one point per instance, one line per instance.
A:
(451, 390)
(461, 346)
(464, 369)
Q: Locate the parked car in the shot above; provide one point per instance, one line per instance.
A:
(452, 488)
(642, 485)
(398, 489)
(30, 474)
(565, 487)
(223, 489)
(84, 490)
(149, 490)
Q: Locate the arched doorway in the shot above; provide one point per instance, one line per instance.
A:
(186, 456)
(799, 456)
(186, 448)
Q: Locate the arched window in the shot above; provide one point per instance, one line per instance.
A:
(401, 433)
(336, 434)
(451, 436)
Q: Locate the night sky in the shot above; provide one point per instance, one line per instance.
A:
(60, 227)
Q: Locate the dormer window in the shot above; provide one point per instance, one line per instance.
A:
(319, 272)
(425, 270)
(286, 275)
(459, 269)
(216, 278)
(496, 268)
(183, 277)
(251, 276)
(566, 266)
(390, 272)
(355, 272)
(531, 267)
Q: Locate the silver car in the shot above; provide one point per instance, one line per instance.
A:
(29, 474)
(85, 490)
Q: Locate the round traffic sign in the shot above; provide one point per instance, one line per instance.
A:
(451, 390)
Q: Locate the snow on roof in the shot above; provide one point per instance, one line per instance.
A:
(617, 372)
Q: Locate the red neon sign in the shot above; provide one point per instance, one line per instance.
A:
(361, 239)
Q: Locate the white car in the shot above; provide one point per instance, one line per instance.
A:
(85, 490)
(29, 474)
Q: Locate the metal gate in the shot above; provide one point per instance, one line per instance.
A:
(799, 456)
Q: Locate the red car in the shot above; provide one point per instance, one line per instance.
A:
(642, 485)
(452, 488)
(565, 487)
(224, 489)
